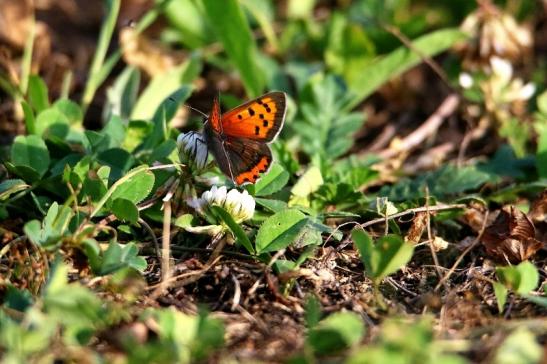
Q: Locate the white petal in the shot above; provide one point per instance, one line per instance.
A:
(233, 202)
(208, 195)
(219, 196)
(527, 91)
(196, 203)
(247, 206)
(466, 81)
(501, 68)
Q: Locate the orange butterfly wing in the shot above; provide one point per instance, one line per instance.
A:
(259, 119)
(238, 138)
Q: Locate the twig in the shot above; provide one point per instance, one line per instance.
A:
(413, 211)
(430, 126)
(430, 236)
(237, 292)
(427, 59)
(165, 245)
(397, 215)
(152, 235)
(467, 250)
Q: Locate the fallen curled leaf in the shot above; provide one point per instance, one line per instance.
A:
(511, 237)
(538, 210)
(415, 232)
(150, 56)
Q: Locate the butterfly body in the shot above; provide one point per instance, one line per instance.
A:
(238, 139)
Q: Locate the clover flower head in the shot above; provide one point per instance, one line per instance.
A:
(192, 149)
(502, 87)
(493, 33)
(240, 205)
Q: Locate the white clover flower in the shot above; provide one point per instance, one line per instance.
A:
(501, 69)
(466, 81)
(502, 88)
(240, 205)
(493, 32)
(192, 149)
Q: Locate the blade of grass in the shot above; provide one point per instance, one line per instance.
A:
(257, 9)
(106, 67)
(400, 60)
(231, 27)
(107, 29)
(27, 58)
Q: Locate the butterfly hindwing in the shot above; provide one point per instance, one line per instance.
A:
(258, 119)
(241, 159)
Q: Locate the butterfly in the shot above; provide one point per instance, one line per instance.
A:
(239, 138)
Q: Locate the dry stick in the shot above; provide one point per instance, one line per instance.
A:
(148, 228)
(467, 250)
(430, 236)
(165, 245)
(447, 107)
(397, 215)
(427, 59)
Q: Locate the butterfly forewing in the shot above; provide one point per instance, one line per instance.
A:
(259, 119)
(238, 139)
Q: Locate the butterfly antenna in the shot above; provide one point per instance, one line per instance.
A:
(199, 111)
(191, 108)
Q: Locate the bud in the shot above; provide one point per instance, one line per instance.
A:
(192, 149)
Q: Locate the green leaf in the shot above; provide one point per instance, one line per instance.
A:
(118, 256)
(272, 205)
(338, 331)
(264, 12)
(242, 238)
(122, 95)
(501, 295)
(135, 186)
(188, 18)
(522, 278)
(542, 103)
(517, 134)
(162, 86)
(400, 60)
(30, 151)
(107, 30)
(231, 27)
(541, 153)
(11, 186)
(520, 347)
(37, 93)
(389, 254)
(30, 119)
(300, 9)
(71, 110)
(312, 312)
(308, 183)
(349, 49)
(119, 161)
(125, 210)
(164, 113)
(49, 232)
(26, 62)
(325, 127)
(279, 231)
(272, 182)
(445, 181)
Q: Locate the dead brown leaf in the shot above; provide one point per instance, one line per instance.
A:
(150, 56)
(419, 223)
(538, 210)
(511, 237)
